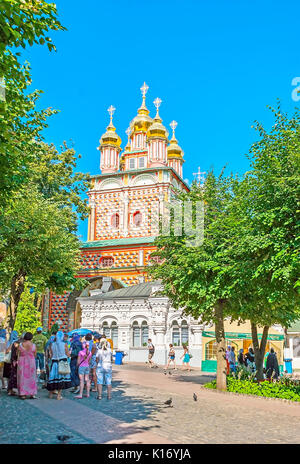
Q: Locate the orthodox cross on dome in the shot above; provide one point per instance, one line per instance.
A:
(111, 111)
(173, 126)
(144, 89)
(200, 176)
(157, 103)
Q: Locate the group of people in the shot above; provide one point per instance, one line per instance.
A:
(62, 364)
(171, 356)
(271, 367)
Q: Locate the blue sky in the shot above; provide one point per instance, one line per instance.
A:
(215, 64)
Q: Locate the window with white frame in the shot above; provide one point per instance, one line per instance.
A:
(132, 163)
(141, 162)
(106, 329)
(111, 332)
(180, 333)
(114, 333)
(140, 334)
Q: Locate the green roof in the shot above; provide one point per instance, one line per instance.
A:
(118, 242)
(142, 290)
(295, 327)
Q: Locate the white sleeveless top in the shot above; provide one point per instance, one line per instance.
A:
(58, 350)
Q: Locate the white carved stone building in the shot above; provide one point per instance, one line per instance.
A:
(131, 315)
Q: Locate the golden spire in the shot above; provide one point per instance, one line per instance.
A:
(142, 120)
(111, 111)
(174, 150)
(173, 126)
(157, 102)
(157, 129)
(110, 137)
(143, 109)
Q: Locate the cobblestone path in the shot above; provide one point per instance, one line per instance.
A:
(137, 414)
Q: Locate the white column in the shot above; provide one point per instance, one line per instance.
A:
(92, 218)
(141, 257)
(126, 203)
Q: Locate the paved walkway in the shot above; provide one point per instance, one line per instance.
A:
(137, 414)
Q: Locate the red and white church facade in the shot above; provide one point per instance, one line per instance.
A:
(124, 200)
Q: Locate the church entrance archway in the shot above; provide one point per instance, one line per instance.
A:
(96, 285)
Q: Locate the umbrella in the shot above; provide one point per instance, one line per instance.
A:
(80, 331)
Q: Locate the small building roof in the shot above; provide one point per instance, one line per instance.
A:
(142, 290)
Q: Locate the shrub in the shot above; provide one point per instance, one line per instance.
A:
(283, 388)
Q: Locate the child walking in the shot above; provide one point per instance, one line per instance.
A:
(83, 364)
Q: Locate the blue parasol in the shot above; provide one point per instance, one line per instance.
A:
(80, 331)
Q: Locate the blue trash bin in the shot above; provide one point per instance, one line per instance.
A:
(119, 357)
(288, 366)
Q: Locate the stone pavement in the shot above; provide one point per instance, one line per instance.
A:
(137, 413)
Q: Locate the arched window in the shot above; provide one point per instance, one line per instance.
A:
(137, 218)
(140, 334)
(180, 333)
(114, 333)
(106, 329)
(115, 221)
(175, 333)
(106, 261)
(145, 333)
(184, 333)
(136, 334)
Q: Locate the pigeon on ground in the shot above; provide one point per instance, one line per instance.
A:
(63, 438)
(195, 397)
(168, 402)
(170, 373)
(165, 373)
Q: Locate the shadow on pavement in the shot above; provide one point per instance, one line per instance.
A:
(198, 379)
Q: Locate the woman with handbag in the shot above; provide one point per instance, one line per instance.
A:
(59, 377)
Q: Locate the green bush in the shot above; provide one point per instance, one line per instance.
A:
(283, 388)
(28, 318)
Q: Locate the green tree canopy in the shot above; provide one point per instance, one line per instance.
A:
(36, 245)
(22, 23)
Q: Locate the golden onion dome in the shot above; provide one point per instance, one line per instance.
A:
(142, 120)
(157, 129)
(174, 150)
(111, 138)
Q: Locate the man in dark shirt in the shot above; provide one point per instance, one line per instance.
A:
(151, 350)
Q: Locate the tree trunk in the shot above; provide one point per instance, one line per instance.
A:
(259, 349)
(16, 290)
(221, 348)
